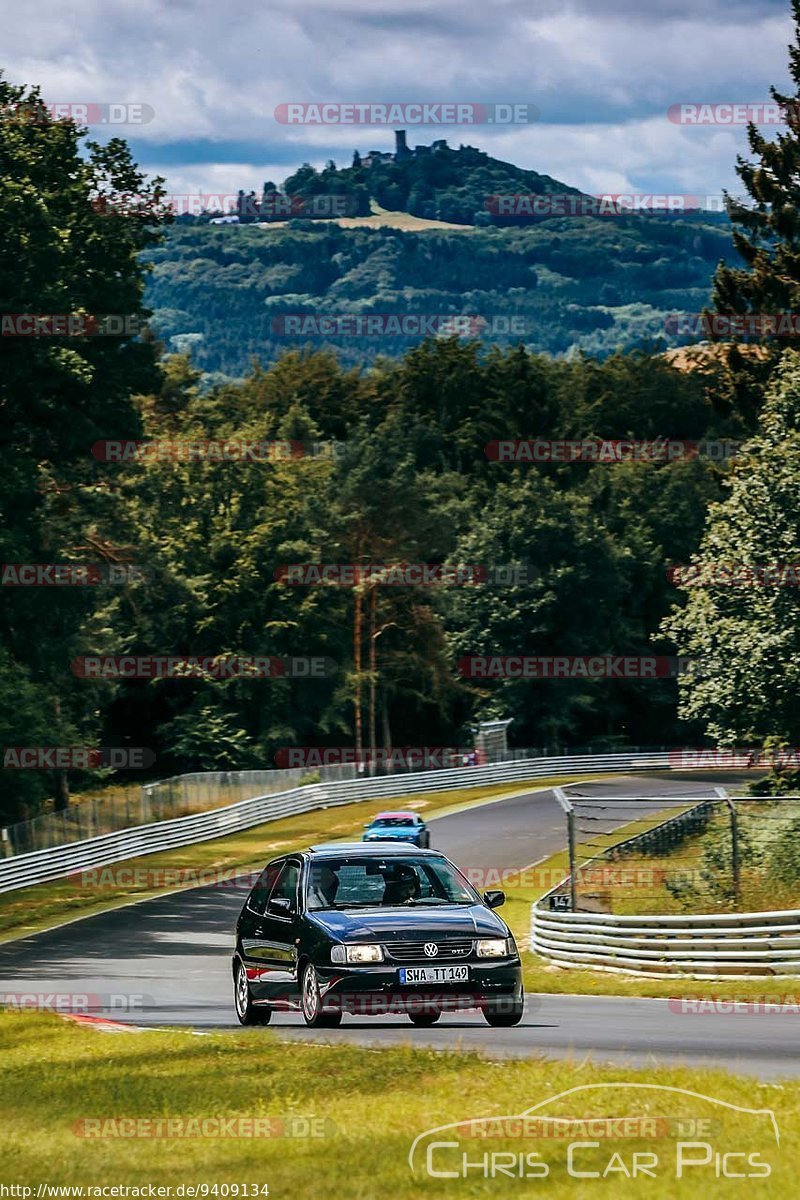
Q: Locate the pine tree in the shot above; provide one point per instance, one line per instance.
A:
(766, 235)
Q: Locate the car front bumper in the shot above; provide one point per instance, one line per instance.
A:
(377, 989)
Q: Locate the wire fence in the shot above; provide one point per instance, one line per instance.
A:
(122, 808)
(712, 854)
(118, 808)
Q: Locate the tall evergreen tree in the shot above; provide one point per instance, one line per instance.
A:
(766, 234)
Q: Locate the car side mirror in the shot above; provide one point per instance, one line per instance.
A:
(494, 899)
(281, 904)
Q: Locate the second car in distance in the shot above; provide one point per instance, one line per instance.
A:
(397, 827)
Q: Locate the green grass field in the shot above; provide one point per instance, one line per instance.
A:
(339, 1121)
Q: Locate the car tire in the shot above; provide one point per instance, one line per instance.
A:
(501, 1016)
(247, 1012)
(314, 1014)
(425, 1017)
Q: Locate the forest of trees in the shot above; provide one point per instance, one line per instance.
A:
(568, 284)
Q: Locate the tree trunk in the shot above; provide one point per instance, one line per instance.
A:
(387, 732)
(60, 791)
(60, 780)
(373, 659)
(357, 623)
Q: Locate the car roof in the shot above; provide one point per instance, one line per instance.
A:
(367, 849)
(398, 813)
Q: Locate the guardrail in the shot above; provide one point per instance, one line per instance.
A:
(732, 945)
(703, 945)
(56, 862)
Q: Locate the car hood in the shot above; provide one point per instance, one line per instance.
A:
(416, 924)
(399, 832)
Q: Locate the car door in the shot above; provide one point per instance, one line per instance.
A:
(278, 948)
(251, 921)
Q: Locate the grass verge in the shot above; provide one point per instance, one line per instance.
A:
(363, 1109)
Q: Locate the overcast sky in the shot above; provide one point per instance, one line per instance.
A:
(602, 74)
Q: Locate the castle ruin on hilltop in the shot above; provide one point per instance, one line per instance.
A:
(402, 151)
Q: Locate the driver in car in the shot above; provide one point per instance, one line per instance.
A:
(403, 887)
(323, 886)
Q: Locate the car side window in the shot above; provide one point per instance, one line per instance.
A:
(286, 887)
(257, 900)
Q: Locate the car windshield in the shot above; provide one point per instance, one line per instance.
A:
(399, 822)
(355, 882)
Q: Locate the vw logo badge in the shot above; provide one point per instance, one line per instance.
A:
(431, 949)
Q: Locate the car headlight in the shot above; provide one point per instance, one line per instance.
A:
(357, 954)
(493, 948)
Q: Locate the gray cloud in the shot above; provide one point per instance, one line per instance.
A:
(602, 73)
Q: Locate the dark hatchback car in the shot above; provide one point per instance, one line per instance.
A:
(371, 929)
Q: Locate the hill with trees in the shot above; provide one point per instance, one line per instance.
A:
(596, 284)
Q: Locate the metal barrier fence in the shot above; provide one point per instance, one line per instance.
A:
(22, 870)
(569, 931)
(732, 945)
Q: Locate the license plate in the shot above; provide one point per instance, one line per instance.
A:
(433, 974)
